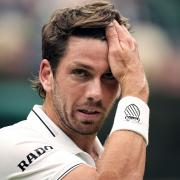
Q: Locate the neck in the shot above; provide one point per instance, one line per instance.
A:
(88, 145)
(84, 142)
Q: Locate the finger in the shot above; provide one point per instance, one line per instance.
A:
(123, 26)
(124, 36)
(133, 40)
(112, 36)
(125, 29)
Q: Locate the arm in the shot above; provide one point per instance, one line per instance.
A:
(125, 151)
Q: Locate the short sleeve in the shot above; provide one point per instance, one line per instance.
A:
(54, 165)
(51, 165)
(32, 158)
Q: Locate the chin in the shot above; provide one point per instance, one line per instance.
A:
(87, 133)
(88, 130)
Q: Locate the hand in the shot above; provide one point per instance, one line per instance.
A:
(124, 61)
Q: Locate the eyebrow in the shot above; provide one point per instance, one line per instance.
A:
(78, 64)
(85, 66)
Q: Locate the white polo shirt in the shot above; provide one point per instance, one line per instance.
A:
(37, 149)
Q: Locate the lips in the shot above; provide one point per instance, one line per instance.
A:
(88, 111)
(88, 114)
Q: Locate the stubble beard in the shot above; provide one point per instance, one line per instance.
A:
(71, 123)
(67, 120)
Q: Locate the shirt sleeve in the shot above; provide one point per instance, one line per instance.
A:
(55, 165)
(35, 159)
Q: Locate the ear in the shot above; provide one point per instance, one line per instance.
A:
(46, 75)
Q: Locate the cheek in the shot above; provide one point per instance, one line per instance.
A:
(71, 94)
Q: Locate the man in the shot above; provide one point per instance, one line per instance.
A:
(89, 59)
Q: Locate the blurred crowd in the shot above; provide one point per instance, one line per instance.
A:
(155, 25)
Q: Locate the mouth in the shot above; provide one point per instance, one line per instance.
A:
(88, 114)
(85, 111)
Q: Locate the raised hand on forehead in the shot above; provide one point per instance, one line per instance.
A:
(124, 61)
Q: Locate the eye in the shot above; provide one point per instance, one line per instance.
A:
(108, 76)
(80, 72)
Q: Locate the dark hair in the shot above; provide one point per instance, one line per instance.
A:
(89, 20)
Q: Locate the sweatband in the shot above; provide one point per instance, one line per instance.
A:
(132, 114)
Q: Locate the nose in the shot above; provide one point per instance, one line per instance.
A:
(94, 90)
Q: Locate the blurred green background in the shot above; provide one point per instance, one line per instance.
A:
(156, 26)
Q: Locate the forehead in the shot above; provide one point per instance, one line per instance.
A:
(88, 51)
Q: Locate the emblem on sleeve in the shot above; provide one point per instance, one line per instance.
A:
(132, 113)
(32, 156)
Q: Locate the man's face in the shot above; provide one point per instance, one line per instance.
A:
(83, 87)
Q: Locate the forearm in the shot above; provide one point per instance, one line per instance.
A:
(125, 150)
(123, 157)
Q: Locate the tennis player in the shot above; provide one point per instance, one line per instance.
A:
(89, 60)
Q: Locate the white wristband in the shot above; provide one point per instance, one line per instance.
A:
(132, 114)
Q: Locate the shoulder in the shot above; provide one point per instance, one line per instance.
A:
(17, 141)
(24, 151)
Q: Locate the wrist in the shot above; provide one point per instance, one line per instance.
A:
(132, 114)
(133, 86)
